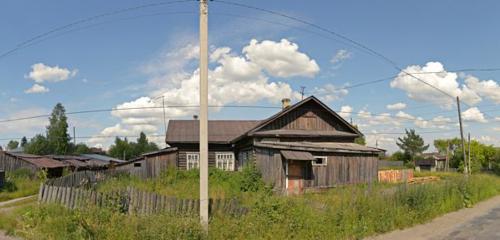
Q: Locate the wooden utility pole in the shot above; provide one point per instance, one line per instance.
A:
(447, 162)
(74, 136)
(302, 88)
(204, 114)
(462, 135)
(468, 153)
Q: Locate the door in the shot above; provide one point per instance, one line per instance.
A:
(295, 177)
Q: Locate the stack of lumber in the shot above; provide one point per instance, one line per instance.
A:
(418, 180)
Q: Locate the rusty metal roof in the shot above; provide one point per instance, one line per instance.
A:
(303, 133)
(297, 155)
(219, 131)
(43, 162)
(320, 146)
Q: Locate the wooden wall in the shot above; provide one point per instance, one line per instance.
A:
(269, 162)
(343, 169)
(308, 117)
(340, 169)
(10, 163)
(150, 166)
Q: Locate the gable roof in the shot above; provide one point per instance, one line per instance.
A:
(230, 131)
(298, 105)
(219, 131)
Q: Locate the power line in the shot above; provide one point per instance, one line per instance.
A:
(341, 36)
(88, 19)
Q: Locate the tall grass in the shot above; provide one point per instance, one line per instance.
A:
(19, 183)
(349, 212)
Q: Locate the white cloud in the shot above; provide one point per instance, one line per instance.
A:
(497, 119)
(496, 129)
(473, 114)
(488, 88)
(43, 73)
(330, 92)
(396, 106)
(345, 111)
(234, 79)
(340, 56)
(402, 114)
(36, 88)
(437, 76)
(25, 127)
(280, 59)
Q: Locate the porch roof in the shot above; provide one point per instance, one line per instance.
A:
(339, 147)
(297, 155)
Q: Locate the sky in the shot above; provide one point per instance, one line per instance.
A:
(138, 57)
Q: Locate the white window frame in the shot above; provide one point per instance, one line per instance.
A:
(192, 160)
(225, 161)
(325, 161)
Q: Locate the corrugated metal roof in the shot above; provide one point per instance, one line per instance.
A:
(303, 133)
(297, 155)
(219, 131)
(165, 150)
(43, 162)
(320, 146)
(103, 158)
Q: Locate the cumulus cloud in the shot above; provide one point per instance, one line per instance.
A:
(434, 74)
(488, 88)
(281, 59)
(474, 115)
(234, 79)
(345, 111)
(36, 88)
(396, 106)
(43, 73)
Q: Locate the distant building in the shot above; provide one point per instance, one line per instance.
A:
(431, 162)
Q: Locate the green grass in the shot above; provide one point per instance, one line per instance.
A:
(18, 184)
(348, 212)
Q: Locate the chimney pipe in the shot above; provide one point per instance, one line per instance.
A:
(195, 117)
(285, 102)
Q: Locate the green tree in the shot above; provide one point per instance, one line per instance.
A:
(359, 140)
(412, 144)
(81, 148)
(13, 144)
(122, 149)
(24, 141)
(143, 145)
(38, 145)
(57, 131)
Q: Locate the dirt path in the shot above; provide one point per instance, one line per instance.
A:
(480, 222)
(4, 207)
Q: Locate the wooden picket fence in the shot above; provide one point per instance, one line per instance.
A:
(134, 201)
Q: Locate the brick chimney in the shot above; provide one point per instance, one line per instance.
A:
(285, 102)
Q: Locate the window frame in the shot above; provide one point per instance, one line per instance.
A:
(225, 164)
(324, 164)
(192, 163)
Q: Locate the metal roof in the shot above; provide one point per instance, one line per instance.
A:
(320, 146)
(297, 155)
(219, 131)
(103, 158)
(43, 162)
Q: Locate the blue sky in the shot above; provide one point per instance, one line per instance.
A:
(127, 59)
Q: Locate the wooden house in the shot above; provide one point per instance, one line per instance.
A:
(304, 146)
(431, 162)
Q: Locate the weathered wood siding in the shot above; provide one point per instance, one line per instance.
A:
(269, 162)
(308, 117)
(10, 163)
(150, 166)
(343, 169)
(340, 169)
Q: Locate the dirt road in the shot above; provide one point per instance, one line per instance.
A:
(480, 222)
(4, 207)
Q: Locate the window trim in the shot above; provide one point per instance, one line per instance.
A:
(188, 161)
(232, 160)
(325, 161)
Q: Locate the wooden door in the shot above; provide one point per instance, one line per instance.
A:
(295, 177)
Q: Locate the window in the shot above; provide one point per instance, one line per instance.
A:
(192, 160)
(225, 161)
(243, 159)
(137, 164)
(320, 161)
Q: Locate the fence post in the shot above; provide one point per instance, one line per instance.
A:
(40, 192)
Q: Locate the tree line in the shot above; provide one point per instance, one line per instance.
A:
(483, 156)
(57, 141)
